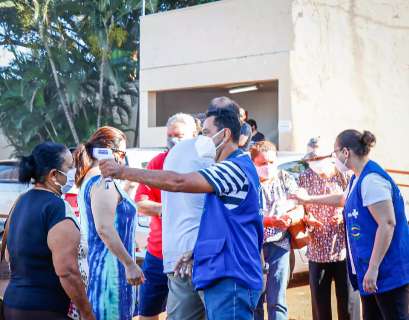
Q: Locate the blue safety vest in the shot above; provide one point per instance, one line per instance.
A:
(230, 241)
(361, 230)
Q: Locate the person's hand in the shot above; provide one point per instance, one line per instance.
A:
(283, 222)
(312, 221)
(109, 168)
(184, 265)
(370, 278)
(134, 274)
(301, 196)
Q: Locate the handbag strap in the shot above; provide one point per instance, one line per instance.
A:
(6, 229)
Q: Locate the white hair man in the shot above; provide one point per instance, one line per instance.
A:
(154, 292)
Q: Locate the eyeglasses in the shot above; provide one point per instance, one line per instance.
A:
(121, 153)
(334, 153)
(319, 158)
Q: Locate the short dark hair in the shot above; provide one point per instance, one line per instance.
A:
(224, 102)
(360, 143)
(252, 123)
(44, 157)
(226, 118)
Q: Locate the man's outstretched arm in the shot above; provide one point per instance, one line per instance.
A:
(171, 181)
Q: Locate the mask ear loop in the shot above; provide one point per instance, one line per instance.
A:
(55, 181)
(222, 142)
(217, 133)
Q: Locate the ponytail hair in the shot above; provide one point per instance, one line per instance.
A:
(44, 157)
(104, 137)
(360, 143)
(27, 169)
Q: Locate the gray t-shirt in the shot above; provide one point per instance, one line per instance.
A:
(181, 212)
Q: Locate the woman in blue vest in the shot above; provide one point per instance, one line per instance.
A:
(376, 228)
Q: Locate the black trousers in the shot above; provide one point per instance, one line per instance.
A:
(390, 305)
(321, 276)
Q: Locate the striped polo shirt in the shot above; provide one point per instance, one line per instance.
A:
(228, 181)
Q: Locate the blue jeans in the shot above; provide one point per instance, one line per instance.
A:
(277, 280)
(228, 300)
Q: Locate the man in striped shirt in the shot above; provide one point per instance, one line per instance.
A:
(228, 181)
(227, 264)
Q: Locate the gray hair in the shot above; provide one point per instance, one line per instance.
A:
(184, 118)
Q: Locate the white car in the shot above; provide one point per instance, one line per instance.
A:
(10, 188)
(292, 164)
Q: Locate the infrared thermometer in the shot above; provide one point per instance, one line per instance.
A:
(103, 154)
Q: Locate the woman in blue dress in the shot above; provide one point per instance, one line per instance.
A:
(107, 217)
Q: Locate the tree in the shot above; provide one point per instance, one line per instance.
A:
(75, 67)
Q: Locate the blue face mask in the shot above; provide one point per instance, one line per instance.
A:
(70, 175)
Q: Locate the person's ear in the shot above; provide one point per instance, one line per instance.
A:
(227, 134)
(52, 175)
(346, 152)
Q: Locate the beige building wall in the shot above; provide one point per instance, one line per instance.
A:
(340, 64)
(213, 45)
(350, 69)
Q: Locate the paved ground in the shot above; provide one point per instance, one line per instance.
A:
(299, 303)
(298, 298)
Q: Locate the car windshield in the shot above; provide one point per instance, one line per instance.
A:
(9, 172)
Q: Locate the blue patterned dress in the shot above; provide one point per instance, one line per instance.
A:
(108, 291)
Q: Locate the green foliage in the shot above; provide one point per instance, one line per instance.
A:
(176, 4)
(73, 60)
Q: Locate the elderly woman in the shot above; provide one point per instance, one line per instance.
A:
(42, 241)
(326, 250)
(377, 232)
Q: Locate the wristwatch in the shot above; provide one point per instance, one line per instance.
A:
(266, 267)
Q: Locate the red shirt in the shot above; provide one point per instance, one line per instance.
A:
(147, 193)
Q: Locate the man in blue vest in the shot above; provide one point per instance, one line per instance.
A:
(227, 265)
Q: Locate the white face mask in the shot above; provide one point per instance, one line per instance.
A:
(341, 166)
(266, 172)
(205, 146)
(70, 175)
